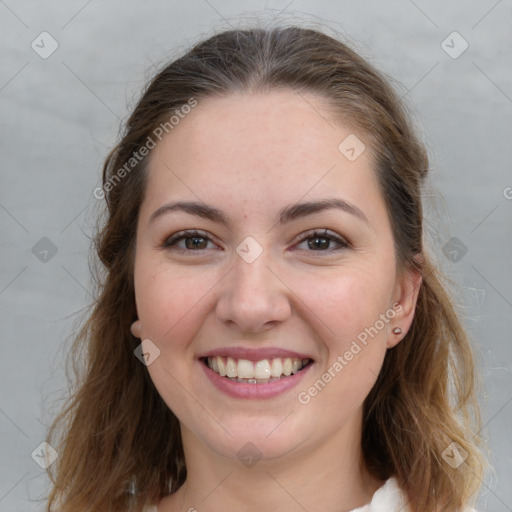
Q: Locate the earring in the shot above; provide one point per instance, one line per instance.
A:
(397, 330)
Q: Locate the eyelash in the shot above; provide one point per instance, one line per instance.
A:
(170, 242)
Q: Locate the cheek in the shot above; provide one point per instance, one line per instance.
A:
(171, 306)
(347, 314)
(169, 301)
(346, 303)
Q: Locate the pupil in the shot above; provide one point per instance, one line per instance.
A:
(194, 245)
(321, 245)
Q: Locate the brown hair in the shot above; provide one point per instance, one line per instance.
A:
(111, 456)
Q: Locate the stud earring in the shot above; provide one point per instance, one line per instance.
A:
(397, 330)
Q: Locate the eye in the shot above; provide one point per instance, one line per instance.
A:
(194, 241)
(320, 241)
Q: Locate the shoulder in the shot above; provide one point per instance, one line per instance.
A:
(391, 498)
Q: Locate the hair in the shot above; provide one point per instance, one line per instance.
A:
(111, 456)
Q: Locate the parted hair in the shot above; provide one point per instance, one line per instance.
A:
(119, 444)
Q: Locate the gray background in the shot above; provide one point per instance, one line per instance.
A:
(60, 116)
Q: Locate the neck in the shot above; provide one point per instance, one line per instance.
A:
(329, 478)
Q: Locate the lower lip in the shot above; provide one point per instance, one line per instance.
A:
(254, 391)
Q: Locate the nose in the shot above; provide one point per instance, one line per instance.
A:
(253, 298)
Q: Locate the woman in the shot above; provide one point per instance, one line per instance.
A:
(270, 333)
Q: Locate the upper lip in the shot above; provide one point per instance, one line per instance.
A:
(254, 354)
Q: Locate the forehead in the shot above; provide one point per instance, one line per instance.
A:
(261, 149)
(284, 123)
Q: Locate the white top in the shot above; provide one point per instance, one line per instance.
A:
(388, 498)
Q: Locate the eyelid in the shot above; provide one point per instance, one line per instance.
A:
(187, 233)
(323, 232)
(172, 240)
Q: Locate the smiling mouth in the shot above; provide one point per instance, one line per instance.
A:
(255, 372)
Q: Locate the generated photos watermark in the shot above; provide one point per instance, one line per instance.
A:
(151, 141)
(361, 341)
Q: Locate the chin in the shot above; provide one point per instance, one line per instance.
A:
(262, 438)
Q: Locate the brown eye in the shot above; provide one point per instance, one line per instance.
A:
(192, 241)
(197, 242)
(322, 240)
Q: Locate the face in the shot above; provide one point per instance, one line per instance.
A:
(297, 302)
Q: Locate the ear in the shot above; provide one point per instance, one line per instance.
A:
(136, 329)
(405, 296)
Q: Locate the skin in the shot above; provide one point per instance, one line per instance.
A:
(250, 155)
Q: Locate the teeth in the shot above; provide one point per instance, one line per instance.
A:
(262, 370)
(287, 366)
(220, 364)
(266, 370)
(277, 368)
(231, 368)
(245, 369)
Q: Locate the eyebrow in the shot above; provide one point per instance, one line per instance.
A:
(287, 214)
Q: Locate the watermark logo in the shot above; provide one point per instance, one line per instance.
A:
(454, 455)
(151, 141)
(352, 147)
(44, 455)
(304, 397)
(249, 250)
(454, 45)
(44, 45)
(455, 249)
(249, 455)
(147, 352)
(44, 250)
